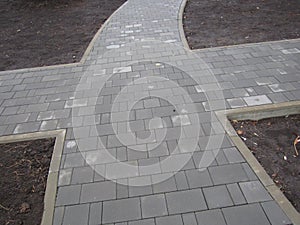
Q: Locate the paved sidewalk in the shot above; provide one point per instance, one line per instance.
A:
(143, 144)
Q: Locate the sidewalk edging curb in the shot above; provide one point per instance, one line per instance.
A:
(82, 60)
(279, 109)
(186, 45)
(51, 187)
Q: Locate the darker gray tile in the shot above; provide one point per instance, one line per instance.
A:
(217, 197)
(185, 201)
(245, 215)
(121, 210)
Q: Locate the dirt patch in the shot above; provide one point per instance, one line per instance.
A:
(23, 170)
(272, 143)
(39, 32)
(212, 23)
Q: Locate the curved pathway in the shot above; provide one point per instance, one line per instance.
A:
(143, 144)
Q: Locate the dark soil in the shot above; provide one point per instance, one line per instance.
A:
(23, 171)
(40, 32)
(211, 23)
(272, 143)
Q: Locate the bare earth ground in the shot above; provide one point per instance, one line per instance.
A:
(23, 171)
(211, 23)
(271, 142)
(44, 33)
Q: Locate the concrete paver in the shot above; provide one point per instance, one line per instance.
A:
(139, 99)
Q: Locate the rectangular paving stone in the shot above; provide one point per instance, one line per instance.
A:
(76, 214)
(249, 171)
(227, 174)
(95, 214)
(64, 177)
(163, 183)
(221, 158)
(48, 125)
(74, 160)
(68, 195)
(149, 166)
(254, 191)
(185, 201)
(98, 191)
(167, 220)
(257, 100)
(58, 215)
(154, 206)
(27, 127)
(181, 180)
(143, 222)
(245, 215)
(236, 194)
(189, 219)
(118, 171)
(233, 155)
(197, 178)
(210, 217)
(138, 187)
(275, 214)
(82, 175)
(217, 197)
(121, 210)
(122, 189)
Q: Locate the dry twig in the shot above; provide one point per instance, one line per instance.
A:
(3, 207)
(296, 141)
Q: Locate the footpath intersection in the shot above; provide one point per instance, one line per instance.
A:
(143, 143)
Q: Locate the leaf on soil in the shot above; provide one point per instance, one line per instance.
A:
(25, 207)
(240, 132)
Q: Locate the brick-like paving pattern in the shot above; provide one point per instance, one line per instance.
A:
(143, 144)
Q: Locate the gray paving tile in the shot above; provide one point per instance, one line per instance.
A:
(98, 191)
(198, 178)
(143, 222)
(153, 206)
(189, 219)
(245, 215)
(236, 194)
(217, 197)
(138, 186)
(254, 191)
(163, 183)
(257, 100)
(227, 174)
(74, 160)
(275, 214)
(249, 171)
(181, 180)
(64, 177)
(95, 214)
(121, 210)
(167, 220)
(212, 217)
(76, 215)
(185, 201)
(82, 175)
(58, 215)
(233, 155)
(68, 195)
